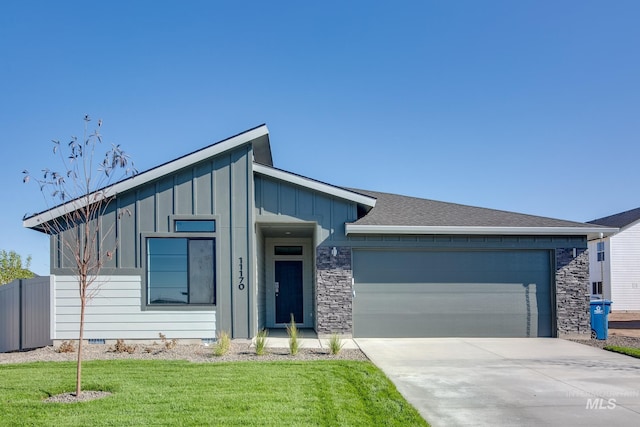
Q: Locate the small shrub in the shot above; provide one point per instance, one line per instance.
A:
(121, 347)
(223, 344)
(261, 342)
(66, 347)
(335, 344)
(168, 344)
(294, 341)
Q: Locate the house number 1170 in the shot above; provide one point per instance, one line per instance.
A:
(241, 276)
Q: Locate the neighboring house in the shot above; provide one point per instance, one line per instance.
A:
(221, 240)
(614, 261)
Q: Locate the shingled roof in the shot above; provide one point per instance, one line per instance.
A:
(397, 210)
(619, 220)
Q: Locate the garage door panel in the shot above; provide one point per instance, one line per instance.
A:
(484, 294)
(435, 326)
(448, 267)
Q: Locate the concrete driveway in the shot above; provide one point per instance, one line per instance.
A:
(510, 381)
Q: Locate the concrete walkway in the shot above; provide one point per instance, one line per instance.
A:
(308, 338)
(511, 382)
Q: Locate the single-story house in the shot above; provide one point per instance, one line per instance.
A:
(221, 240)
(614, 261)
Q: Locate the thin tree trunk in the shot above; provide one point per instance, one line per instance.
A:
(81, 338)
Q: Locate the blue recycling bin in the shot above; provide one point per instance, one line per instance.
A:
(600, 318)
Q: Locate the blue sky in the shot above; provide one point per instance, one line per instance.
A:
(526, 106)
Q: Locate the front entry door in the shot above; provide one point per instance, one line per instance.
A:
(288, 291)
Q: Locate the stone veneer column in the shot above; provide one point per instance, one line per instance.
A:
(334, 293)
(572, 293)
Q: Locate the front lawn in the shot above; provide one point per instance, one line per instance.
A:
(629, 351)
(330, 393)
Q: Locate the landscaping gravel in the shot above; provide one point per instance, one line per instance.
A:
(617, 340)
(71, 397)
(239, 351)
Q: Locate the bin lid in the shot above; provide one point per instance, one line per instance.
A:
(600, 302)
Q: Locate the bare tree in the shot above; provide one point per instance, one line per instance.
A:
(78, 195)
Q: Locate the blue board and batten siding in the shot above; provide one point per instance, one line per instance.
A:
(219, 188)
(279, 201)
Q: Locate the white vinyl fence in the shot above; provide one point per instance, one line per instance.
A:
(25, 314)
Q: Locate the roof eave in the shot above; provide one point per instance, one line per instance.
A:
(314, 185)
(590, 232)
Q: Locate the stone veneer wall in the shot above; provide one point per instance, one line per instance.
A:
(572, 292)
(334, 293)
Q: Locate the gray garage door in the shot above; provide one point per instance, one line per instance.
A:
(452, 294)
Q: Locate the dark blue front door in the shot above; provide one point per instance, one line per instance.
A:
(288, 291)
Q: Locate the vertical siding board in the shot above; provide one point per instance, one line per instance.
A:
(270, 201)
(128, 243)
(339, 215)
(287, 200)
(323, 212)
(239, 190)
(222, 197)
(261, 297)
(305, 202)
(221, 193)
(147, 209)
(108, 235)
(240, 243)
(68, 242)
(54, 255)
(184, 192)
(202, 189)
(164, 201)
(257, 183)
(213, 187)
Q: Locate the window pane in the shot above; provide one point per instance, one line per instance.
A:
(288, 250)
(195, 225)
(201, 271)
(596, 288)
(180, 271)
(167, 271)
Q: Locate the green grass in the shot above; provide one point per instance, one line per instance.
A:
(320, 393)
(629, 351)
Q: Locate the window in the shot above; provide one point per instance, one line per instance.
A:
(287, 250)
(195, 225)
(596, 288)
(180, 271)
(600, 251)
